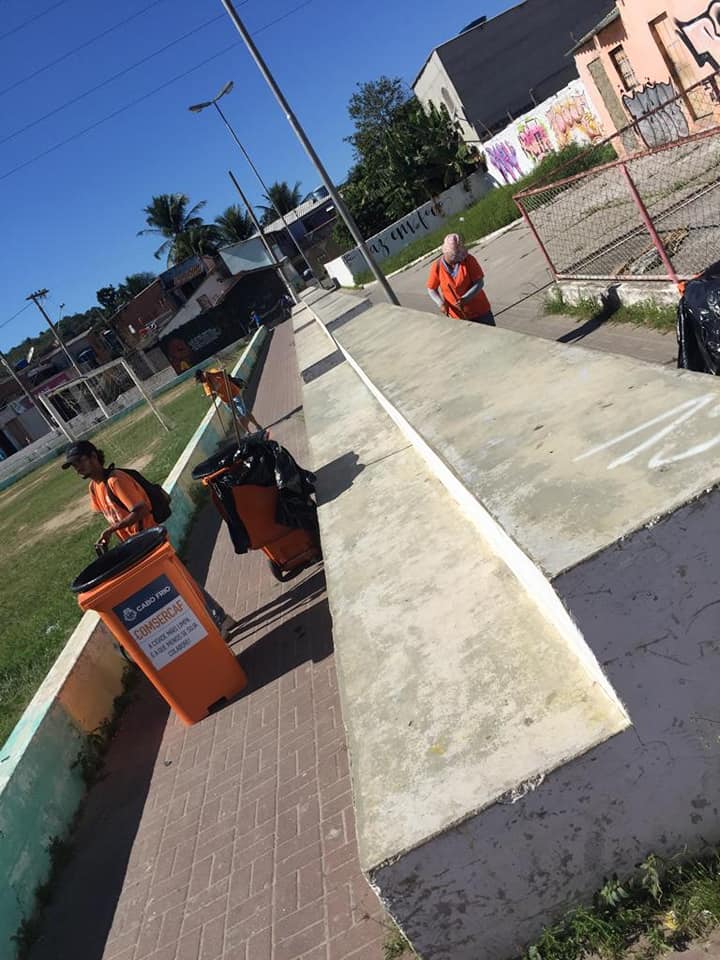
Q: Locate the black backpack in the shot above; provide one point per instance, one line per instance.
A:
(159, 500)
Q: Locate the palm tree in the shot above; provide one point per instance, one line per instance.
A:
(134, 284)
(202, 239)
(280, 196)
(234, 224)
(168, 216)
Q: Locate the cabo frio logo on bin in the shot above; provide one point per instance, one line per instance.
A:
(160, 622)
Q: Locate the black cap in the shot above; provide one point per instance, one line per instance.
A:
(83, 448)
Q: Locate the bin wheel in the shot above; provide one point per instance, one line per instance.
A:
(284, 575)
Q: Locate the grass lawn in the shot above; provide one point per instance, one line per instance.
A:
(47, 536)
(496, 209)
(644, 314)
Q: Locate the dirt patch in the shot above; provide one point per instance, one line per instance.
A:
(76, 512)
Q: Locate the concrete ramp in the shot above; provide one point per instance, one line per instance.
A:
(520, 548)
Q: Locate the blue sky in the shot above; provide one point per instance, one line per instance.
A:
(71, 216)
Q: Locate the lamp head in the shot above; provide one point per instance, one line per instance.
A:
(198, 107)
(226, 89)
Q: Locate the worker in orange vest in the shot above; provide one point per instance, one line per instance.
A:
(230, 390)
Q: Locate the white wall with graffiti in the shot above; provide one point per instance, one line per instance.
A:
(416, 224)
(568, 117)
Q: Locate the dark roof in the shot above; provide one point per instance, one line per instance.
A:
(520, 56)
(598, 28)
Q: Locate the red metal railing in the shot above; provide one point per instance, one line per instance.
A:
(653, 214)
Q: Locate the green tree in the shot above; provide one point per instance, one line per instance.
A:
(169, 215)
(109, 299)
(405, 154)
(280, 196)
(234, 224)
(135, 283)
(200, 240)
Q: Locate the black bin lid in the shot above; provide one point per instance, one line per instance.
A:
(218, 461)
(118, 559)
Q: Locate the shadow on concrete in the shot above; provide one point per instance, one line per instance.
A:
(528, 296)
(337, 477)
(198, 548)
(78, 919)
(288, 416)
(305, 636)
(610, 306)
(303, 594)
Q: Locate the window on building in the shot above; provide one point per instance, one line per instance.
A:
(624, 67)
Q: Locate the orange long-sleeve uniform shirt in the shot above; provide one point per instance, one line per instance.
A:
(129, 493)
(452, 288)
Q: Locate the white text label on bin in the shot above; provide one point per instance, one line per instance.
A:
(160, 622)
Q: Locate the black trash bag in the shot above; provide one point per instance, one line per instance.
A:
(698, 323)
(263, 463)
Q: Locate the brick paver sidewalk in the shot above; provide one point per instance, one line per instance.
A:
(234, 838)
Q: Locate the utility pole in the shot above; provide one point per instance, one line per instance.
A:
(27, 393)
(266, 244)
(310, 150)
(36, 298)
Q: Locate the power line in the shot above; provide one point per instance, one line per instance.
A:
(15, 316)
(109, 80)
(81, 46)
(38, 16)
(146, 96)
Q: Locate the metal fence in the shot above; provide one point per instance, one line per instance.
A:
(652, 214)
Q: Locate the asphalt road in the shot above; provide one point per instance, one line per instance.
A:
(517, 282)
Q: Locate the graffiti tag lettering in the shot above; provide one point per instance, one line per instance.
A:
(702, 35)
(666, 455)
(659, 120)
(534, 139)
(504, 157)
(571, 119)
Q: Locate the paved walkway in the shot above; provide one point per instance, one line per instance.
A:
(234, 838)
(517, 283)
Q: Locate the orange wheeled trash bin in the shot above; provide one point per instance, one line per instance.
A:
(265, 499)
(157, 612)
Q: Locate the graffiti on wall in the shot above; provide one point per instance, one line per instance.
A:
(702, 35)
(503, 156)
(534, 139)
(565, 118)
(572, 119)
(659, 115)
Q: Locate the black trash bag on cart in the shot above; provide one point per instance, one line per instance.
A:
(263, 463)
(698, 323)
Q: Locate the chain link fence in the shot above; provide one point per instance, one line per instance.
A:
(652, 214)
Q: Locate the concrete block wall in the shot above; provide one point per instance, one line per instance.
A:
(41, 787)
(602, 473)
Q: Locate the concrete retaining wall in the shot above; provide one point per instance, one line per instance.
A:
(40, 787)
(602, 473)
(431, 216)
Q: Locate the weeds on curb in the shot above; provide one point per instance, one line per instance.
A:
(664, 906)
(395, 945)
(646, 313)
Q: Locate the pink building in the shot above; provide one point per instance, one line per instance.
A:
(642, 55)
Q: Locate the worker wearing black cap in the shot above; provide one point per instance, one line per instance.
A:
(125, 506)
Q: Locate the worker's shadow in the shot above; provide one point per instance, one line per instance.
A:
(609, 306)
(336, 477)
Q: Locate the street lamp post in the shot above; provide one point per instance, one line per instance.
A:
(266, 243)
(198, 108)
(310, 150)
